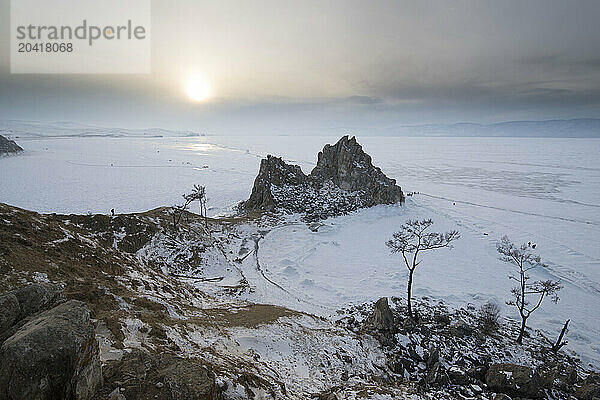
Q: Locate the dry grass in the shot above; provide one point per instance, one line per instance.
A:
(78, 251)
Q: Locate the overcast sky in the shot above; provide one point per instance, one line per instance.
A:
(318, 66)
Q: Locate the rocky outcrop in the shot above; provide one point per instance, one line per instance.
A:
(9, 311)
(16, 306)
(590, 389)
(8, 146)
(382, 317)
(343, 181)
(465, 363)
(514, 380)
(37, 297)
(559, 375)
(348, 167)
(273, 172)
(161, 376)
(48, 347)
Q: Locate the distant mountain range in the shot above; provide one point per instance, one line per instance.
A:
(582, 127)
(29, 129)
(565, 128)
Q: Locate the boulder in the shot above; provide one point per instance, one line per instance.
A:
(477, 373)
(8, 146)
(52, 356)
(458, 376)
(514, 380)
(437, 375)
(441, 318)
(590, 389)
(343, 181)
(461, 328)
(20, 304)
(37, 297)
(161, 376)
(382, 318)
(9, 311)
(432, 357)
(558, 376)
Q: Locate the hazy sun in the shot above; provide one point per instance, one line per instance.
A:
(197, 89)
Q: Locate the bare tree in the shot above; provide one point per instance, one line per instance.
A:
(525, 261)
(412, 239)
(198, 193)
(178, 210)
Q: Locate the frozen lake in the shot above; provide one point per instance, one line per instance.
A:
(542, 190)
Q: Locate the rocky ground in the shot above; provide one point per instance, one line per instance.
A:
(120, 307)
(142, 315)
(449, 354)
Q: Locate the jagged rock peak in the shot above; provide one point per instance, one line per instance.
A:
(344, 180)
(273, 171)
(382, 317)
(336, 162)
(350, 168)
(8, 146)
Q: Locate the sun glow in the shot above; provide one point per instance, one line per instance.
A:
(197, 89)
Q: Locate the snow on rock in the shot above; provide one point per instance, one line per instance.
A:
(382, 317)
(190, 255)
(8, 146)
(350, 168)
(452, 363)
(296, 357)
(343, 181)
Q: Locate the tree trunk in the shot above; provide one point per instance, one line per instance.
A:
(205, 217)
(522, 330)
(410, 279)
(559, 343)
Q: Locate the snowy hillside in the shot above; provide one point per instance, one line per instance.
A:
(543, 191)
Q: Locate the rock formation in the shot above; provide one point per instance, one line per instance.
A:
(590, 389)
(382, 317)
(343, 181)
(348, 167)
(514, 380)
(161, 376)
(16, 306)
(52, 353)
(8, 146)
(273, 172)
(9, 305)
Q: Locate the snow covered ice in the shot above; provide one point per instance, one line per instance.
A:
(545, 191)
